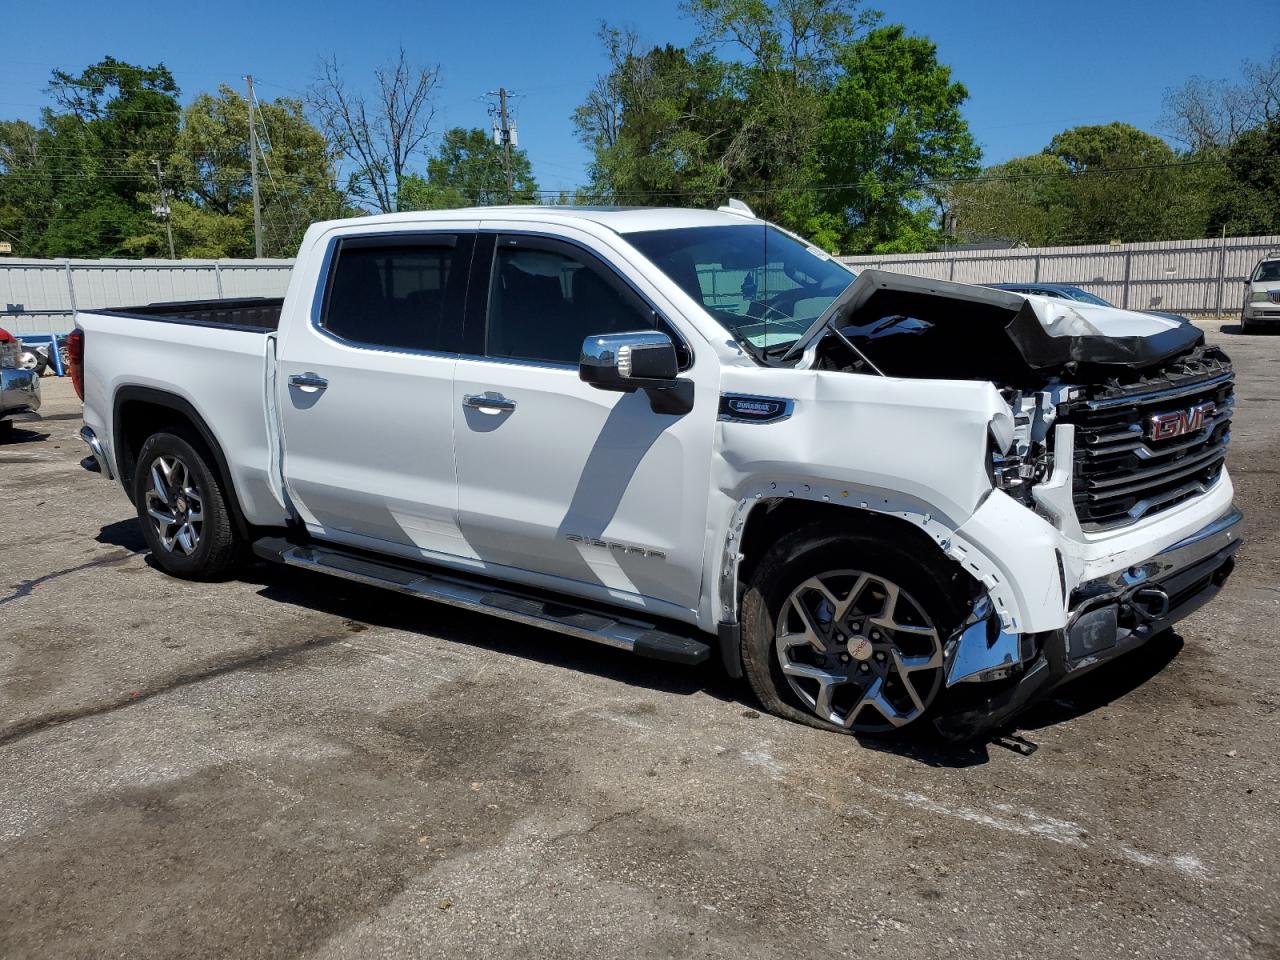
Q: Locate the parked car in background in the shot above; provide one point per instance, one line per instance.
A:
(1262, 295)
(19, 388)
(1067, 291)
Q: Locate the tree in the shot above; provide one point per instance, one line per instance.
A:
(1248, 200)
(208, 176)
(815, 122)
(70, 186)
(1130, 185)
(379, 138)
(892, 135)
(468, 170)
(1026, 200)
(1207, 114)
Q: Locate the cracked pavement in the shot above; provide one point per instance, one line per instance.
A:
(288, 766)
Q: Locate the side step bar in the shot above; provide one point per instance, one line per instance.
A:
(597, 626)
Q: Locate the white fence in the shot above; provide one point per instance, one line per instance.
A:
(1180, 276)
(41, 296)
(1177, 276)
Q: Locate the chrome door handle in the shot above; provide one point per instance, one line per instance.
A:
(308, 381)
(488, 401)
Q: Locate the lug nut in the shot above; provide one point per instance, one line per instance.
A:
(844, 658)
(879, 654)
(865, 668)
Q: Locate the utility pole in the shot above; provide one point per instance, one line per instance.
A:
(253, 170)
(161, 209)
(505, 136)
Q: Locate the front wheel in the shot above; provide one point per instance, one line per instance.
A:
(846, 632)
(182, 509)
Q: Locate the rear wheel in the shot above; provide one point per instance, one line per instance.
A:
(846, 632)
(182, 509)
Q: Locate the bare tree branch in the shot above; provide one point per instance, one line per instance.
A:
(381, 139)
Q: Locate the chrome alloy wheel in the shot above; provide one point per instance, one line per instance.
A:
(859, 651)
(174, 505)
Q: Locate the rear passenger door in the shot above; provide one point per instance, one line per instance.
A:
(365, 394)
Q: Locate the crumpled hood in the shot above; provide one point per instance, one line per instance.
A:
(1065, 318)
(1046, 332)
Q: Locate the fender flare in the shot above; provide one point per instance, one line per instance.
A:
(954, 547)
(182, 406)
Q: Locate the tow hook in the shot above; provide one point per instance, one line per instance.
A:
(1150, 603)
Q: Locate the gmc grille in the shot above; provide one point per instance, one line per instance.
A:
(1122, 474)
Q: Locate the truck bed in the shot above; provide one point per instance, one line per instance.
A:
(260, 314)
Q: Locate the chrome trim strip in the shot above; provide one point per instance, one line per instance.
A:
(1187, 552)
(99, 452)
(1169, 393)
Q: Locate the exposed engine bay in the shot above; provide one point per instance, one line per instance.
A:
(1109, 370)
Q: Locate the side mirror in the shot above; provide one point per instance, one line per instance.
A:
(626, 362)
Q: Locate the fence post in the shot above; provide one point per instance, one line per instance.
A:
(951, 273)
(71, 287)
(1124, 291)
(1222, 267)
(1036, 278)
(217, 275)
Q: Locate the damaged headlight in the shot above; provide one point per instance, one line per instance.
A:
(1018, 455)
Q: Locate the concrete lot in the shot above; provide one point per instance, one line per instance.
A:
(290, 766)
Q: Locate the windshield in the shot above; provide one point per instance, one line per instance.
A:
(1267, 270)
(1084, 296)
(765, 286)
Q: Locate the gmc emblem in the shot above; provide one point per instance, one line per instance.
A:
(1166, 426)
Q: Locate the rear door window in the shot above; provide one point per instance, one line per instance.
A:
(399, 292)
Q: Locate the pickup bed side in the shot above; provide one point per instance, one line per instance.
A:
(137, 381)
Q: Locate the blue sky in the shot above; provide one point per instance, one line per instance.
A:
(1032, 68)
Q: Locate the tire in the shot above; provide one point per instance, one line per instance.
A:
(183, 509)
(1247, 327)
(858, 570)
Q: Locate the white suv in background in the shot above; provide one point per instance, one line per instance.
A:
(1262, 294)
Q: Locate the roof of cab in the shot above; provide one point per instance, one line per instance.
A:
(617, 219)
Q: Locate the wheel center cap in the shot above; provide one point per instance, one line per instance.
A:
(181, 504)
(860, 648)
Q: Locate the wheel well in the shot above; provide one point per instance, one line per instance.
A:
(141, 412)
(771, 519)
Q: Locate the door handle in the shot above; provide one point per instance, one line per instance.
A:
(308, 381)
(488, 401)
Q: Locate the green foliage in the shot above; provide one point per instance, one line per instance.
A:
(1249, 199)
(892, 129)
(68, 187)
(468, 170)
(208, 173)
(84, 182)
(819, 124)
(1092, 184)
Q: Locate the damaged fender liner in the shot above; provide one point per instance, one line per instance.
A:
(1039, 348)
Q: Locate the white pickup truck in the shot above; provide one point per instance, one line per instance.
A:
(681, 432)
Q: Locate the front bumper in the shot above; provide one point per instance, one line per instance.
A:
(1109, 617)
(19, 394)
(1263, 311)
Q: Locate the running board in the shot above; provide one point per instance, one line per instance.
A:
(595, 625)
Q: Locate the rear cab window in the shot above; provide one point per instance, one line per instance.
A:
(399, 291)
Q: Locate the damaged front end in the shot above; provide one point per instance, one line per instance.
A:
(1107, 617)
(1112, 417)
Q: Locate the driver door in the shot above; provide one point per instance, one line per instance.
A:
(588, 491)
